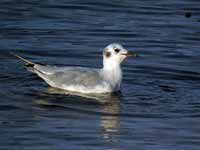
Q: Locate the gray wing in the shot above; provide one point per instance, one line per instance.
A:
(48, 70)
(58, 76)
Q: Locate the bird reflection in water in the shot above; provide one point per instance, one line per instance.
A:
(110, 121)
(109, 112)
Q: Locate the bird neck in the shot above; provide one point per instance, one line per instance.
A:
(112, 73)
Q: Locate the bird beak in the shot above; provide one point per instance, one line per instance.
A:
(129, 54)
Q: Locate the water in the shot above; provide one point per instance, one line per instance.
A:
(158, 107)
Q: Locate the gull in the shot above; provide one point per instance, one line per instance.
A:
(83, 79)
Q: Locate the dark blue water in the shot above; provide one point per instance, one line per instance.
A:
(159, 105)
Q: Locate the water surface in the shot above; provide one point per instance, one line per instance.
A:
(158, 107)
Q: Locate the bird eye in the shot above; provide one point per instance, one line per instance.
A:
(117, 50)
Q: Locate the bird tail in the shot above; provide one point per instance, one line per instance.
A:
(30, 66)
(28, 63)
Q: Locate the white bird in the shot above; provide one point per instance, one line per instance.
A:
(82, 79)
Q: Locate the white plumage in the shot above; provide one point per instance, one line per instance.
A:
(85, 80)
